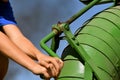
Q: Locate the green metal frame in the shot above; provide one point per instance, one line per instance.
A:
(64, 28)
(60, 27)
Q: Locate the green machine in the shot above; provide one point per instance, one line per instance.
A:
(93, 52)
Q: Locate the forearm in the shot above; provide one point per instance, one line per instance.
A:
(20, 40)
(12, 51)
(26, 45)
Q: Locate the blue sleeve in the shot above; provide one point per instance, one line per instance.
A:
(6, 14)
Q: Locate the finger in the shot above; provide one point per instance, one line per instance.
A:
(56, 64)
(52, 70)
(60, 62)
(45, 73)
(44, 64)
(51, 67)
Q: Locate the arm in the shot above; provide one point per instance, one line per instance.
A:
(20, 40)
(17, 47)
(9, 49)
(12, 51)
(28, 48)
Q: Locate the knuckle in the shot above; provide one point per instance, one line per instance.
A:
(43, 70)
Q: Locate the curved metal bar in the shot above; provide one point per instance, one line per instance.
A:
(45, 47)
(74, 17)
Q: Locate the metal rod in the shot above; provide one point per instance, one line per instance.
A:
(45, 47)
(74, 17)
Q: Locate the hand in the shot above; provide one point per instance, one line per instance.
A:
(52, 65)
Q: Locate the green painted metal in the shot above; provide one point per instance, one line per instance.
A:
(82, 11)
(101, 1)
(58, 28)
(100, 40)
(93, 52)
(46, 48)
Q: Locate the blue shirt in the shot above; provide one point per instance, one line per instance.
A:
(6, 14)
